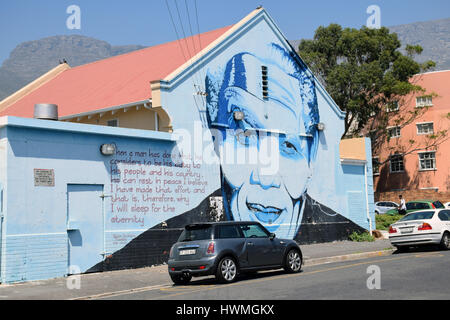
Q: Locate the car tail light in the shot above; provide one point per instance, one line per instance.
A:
(210, 249)
(432, 205)
(425, 226)
(170, 252)
(392, 230)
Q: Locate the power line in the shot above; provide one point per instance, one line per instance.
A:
(190, 25)
(196, 74)
(185, 37)
(176, 31)
(181, 47)
(203, 74)
(192, 39)
(197, 88)
(182, 29)
(200, 73)
(198, 26)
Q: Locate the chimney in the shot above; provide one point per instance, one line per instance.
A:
(46, 111)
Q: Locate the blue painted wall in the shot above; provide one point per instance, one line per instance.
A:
(35, 233)
(3, 145)
(37, 228)
(156, 182)
(230, 74)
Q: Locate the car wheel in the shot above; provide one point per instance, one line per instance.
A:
(445, 242)
(227, 270)
(377, 212)
(293, 261)
(181, 279)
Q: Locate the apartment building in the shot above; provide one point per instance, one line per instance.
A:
(414, 159)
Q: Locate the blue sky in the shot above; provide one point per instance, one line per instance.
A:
(147, 22)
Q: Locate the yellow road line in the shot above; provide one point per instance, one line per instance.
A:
(299, 274)
(180, 290)
(118, 293)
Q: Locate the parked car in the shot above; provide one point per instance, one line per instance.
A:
(412, 206)
(225, 249)
(422, 227)
(384, 206)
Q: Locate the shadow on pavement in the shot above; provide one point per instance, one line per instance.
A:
(422, 248)
(211, 280)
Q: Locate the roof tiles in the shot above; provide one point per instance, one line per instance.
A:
(114, 81)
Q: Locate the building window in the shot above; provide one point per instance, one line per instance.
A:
(376, 166)
(394, 132)
(396, 163)
(425, 128)
(112, 123)
(392, 106)
(427, 160)
(424, 101)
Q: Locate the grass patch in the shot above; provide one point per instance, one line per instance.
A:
(361, 237)
(383, 221)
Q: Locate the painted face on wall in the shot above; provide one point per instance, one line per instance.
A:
(266, 113)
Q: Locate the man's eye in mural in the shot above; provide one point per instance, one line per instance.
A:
(289, 148)
(293, 147)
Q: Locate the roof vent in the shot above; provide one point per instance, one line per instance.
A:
(265, 83)
(46, 111)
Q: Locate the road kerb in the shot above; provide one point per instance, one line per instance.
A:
(347, 257)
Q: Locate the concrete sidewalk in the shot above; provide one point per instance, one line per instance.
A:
(322, 253)
(108, 283)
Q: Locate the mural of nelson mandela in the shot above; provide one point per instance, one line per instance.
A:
(243, 117)
(252, 103)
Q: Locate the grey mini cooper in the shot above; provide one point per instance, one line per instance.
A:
(225, 249)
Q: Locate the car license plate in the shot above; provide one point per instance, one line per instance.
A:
(407, 230)
(187, 252)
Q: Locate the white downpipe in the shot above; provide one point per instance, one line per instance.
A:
(148, 107)
(2, 205)
(156, 122)
(367, 198)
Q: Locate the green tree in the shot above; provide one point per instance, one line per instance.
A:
(364, 71)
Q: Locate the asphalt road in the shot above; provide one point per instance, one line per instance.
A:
(419, 274)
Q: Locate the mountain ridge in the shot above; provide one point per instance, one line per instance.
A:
(435, 47)
(31, 59)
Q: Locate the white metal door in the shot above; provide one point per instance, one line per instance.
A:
(84, 226)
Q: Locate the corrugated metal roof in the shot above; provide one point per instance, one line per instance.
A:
(112, 82)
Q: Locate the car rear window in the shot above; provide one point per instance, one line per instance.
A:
(424, 215)
(444, 215)
(438, 205)
(417, 206)
(392, 204)
(196, 232)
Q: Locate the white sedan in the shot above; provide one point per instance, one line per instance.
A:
(422, 227)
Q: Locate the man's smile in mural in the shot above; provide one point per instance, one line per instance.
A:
(261, 212)
(267, 206)
(278, 125)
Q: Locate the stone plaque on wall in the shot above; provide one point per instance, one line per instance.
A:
(44, 177)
